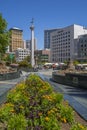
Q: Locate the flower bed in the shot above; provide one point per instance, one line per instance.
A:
(33, 105)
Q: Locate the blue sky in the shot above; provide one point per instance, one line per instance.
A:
(47, 14)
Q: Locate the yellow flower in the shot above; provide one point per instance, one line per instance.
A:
(51, 111)
(47, 119)
(21, 107)
(55, 109)
(81, 126)
(13, 111)
(47, 97)
(64, 120)
(44, 87)
(48, 112)
(9, 104)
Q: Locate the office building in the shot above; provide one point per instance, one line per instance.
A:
(47, 38)
(63, 42)
(16, 40)
(82, 48)
(28, 44)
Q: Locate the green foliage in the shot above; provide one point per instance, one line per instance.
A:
(58, 98)
(4, 36)
(9, 60)
(78, 126)
(5, 111)
(17, 122)
(27, 58)
(18, 97)
(66, 113)
(76, 62)
(50, 123)
(24, 63)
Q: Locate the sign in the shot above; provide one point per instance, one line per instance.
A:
(11, 56)
(75, 80)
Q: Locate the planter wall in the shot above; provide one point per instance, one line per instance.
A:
(26, 69)
(9, 76)
(58, 78)
(72, 79)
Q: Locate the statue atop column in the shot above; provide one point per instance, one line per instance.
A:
(32, 43)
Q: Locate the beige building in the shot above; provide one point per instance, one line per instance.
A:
(16, 39)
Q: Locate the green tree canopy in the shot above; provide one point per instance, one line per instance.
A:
(4, 35)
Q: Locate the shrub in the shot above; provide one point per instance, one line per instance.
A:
(66, 114)
(17, 122)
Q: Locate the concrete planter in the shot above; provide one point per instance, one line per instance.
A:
(72, 79)
(9, 76)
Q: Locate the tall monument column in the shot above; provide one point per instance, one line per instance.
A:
(32, 43)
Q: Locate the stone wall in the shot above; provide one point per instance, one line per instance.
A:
(71, 79)
(9, 76)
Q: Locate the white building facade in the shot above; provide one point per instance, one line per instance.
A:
(21, 54)
(62, 42)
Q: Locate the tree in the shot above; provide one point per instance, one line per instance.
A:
(24, 64)
(10, 58)
(76, 62)
(27, 58)
(4, 36)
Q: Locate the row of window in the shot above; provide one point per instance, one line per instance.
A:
(63, 33)
(83, 45)
(61, 54)
(61, 47)
(24, 53)
(61, 59)
(82, 40)
(60, 36)
(17, 40)
(61, 39)
(23, 56)
(83, 54)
